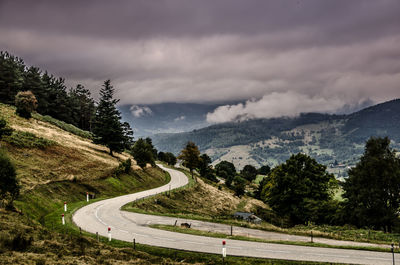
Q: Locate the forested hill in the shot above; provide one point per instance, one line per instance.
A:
(328, 138)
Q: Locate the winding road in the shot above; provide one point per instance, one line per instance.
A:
(126, 226)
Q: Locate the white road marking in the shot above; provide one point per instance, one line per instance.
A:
(192, 242)
(273, 251)
(327, 255)
(98, 218)
(235, 247)
(377, 258)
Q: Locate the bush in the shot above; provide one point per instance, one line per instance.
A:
(18, 242)
(28, 140)
(26, 103)
(9, 188)
(123, 167)
(63, 125)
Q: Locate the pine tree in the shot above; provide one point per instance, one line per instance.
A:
(107, 126)
(11, 77)
(82, 107)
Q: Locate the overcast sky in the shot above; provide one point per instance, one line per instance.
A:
(279, 57)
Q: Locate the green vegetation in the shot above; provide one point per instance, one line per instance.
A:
(28, 140)
(26, 103)
(373, 186)
(227, 171)
(9, 187)
(107, 127)
(300, 189)
(4, 129)
(167, 157)
(249, 172)
(143, 153)
(74, 107)
(190, 155)
(63, 125)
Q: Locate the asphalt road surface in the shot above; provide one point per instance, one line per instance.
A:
(126, 226)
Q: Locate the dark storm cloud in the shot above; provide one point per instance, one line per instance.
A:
(311, 55)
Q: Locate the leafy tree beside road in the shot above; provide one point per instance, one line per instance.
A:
(372, 190)
(143, 153)
(227, 171)
(205, 169)
(190, 156)
(300, 189)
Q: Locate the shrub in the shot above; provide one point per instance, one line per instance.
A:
(9, 188)
(123, 167)
(28, 140)
(26, 103)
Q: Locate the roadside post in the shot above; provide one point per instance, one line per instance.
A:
(109, 233)
(393, 253)
(87, 196)
(223, 251)
(65, 206)
(63, 219)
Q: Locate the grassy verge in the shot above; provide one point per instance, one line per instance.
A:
(253, 239)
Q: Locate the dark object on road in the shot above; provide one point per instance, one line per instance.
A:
(185, 225)
(249, 217)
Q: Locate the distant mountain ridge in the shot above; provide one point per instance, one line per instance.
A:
(331, 139)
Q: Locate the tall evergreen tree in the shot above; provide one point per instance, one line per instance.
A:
(33, 82)
(373, 187)
(107, 126)
(82, 107)
(11, 77)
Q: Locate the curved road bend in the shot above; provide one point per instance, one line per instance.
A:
(98, 216)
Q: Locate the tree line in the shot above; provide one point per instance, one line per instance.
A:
(74, 105)
(31, 89)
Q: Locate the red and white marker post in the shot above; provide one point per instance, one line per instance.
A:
(65, 206)
(87, 196)
(109, 233)
(223, 251)
(63, 219)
